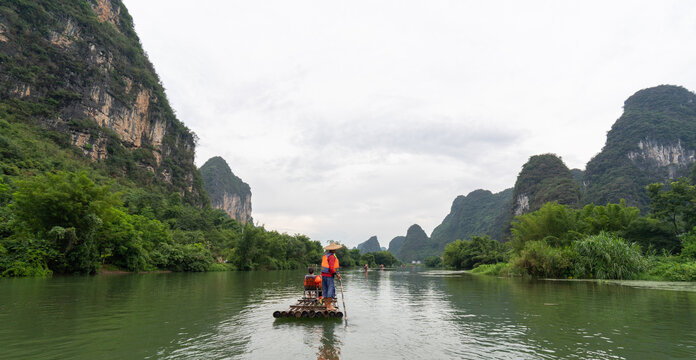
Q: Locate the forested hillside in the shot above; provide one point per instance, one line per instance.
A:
(370, 245)
(478, 213)
(654, 140)
(96, 171)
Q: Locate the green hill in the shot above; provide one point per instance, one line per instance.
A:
(73, 74)
(395, 245)
(227, 191)
(654, 140)
(95, 168)
(369, 246)
(417, 245)
(544, 178)
(478, 213)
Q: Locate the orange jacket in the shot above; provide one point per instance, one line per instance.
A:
(329, 264)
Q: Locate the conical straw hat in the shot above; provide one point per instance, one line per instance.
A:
(333, 246)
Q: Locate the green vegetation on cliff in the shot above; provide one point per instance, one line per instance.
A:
(608, 242)
(226, 191)
(544, 178)
(95, 168)
(479, 213)
(81, 80)
(653, 141)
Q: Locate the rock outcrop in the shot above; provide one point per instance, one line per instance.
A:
(227, 191)
(370, 245)
(86, 76)
(654, 140)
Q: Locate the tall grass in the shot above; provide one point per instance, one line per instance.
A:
(541, 260)
(607, 256)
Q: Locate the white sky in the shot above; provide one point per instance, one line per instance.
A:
(357, 118)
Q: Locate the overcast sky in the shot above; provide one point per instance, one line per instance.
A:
(357, 118)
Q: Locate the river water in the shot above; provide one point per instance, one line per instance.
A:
(391, 314)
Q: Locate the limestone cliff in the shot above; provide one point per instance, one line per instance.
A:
(77, 68)
(227, 191)
(654, 140)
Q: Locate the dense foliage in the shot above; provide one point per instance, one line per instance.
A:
(467, 254)
(65, 222)
(608, 242)
(354, 257)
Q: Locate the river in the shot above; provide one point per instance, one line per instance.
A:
(391, 314)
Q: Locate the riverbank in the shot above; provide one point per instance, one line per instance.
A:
(656, 269)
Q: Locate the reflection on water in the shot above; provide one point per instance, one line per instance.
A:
(393, 315)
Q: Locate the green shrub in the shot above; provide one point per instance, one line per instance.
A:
(501, 268)
(467, 254)
(671, 269)
(539, 259)
(607, 256)
(688, 241)
(220, 267)
(433, 261)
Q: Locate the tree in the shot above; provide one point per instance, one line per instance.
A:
(67, 210)
(467, 254)
(675, 205)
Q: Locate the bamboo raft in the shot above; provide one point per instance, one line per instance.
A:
(310, 306)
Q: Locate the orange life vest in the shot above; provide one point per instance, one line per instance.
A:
(325, 262)
(309, 281)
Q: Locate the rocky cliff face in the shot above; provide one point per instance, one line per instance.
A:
(672, 158)
(227, 191)
(370, 245)
(77, 68)
(654, 140)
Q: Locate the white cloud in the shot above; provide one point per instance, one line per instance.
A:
(350, 119)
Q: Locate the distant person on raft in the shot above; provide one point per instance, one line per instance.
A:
(329, 270)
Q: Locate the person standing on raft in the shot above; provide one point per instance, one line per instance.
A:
(329, 270)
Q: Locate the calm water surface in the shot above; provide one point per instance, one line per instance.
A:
(390, 315)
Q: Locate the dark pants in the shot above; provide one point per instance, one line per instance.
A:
(328, 287)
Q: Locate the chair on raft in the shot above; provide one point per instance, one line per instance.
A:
(312, 287)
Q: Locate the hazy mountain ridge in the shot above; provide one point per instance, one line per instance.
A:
(370, 245)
